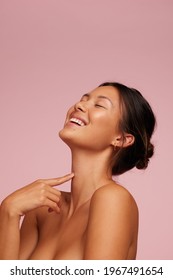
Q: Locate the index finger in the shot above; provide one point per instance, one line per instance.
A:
(58, 181)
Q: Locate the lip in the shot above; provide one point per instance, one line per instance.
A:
(76, 116)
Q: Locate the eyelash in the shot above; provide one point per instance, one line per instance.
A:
(97, 105)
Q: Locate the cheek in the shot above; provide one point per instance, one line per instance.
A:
(106, 124)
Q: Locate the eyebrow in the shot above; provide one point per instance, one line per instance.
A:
(100, 96)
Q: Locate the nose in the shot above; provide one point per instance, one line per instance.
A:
(79, 106)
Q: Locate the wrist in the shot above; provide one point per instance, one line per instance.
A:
(8, 210)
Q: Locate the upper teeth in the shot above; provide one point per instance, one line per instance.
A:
(81, 123)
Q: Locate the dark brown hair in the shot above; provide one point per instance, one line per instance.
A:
(137, 119)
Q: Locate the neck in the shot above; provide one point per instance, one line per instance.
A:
(91, 171)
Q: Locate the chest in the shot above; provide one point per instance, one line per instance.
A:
(61, 238)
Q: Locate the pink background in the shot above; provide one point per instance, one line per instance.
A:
(51, 53)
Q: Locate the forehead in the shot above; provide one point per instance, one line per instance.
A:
(108, 91)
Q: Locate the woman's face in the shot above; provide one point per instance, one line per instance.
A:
(92, 123)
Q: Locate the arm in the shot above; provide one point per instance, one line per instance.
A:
(9, 234)
(28, 235)
(112, 225)
(16, 244)
(22, 202)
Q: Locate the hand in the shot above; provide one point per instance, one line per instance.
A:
(37, 194)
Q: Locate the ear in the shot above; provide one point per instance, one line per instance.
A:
(123, 141)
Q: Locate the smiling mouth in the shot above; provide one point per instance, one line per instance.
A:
(77, 121)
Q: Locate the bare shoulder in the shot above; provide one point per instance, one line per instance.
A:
(113, 224)
(114, 195)
(115, 202)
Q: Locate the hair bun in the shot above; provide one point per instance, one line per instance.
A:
(142, 163)
(150, 150)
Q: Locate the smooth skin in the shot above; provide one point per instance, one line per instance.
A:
(98, 219)
(38, 194)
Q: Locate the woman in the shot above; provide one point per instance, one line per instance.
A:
(108, 132)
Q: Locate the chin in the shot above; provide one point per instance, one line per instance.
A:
(62, 134)
(66, 137)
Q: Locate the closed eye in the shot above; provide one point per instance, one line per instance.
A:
(98, 105)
